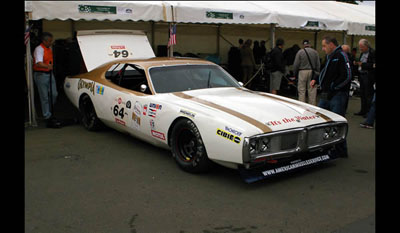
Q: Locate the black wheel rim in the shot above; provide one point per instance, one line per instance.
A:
(187, 145)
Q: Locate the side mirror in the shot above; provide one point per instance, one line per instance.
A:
(143, 88)
(241, 84)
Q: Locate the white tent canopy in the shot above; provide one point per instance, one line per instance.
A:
(97, 10)
(360, 19)
(301, 16)
(220, 12)
(311, 15)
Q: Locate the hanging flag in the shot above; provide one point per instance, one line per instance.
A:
(27, 34)
(172, 35)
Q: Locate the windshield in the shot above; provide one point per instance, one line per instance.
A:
(189, 77)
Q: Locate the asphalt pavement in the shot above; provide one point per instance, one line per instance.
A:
(106, 182)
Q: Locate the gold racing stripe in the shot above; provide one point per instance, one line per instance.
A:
(258, 124)
(323, 116)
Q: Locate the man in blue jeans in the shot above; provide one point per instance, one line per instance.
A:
(43, 68)
(334, 81)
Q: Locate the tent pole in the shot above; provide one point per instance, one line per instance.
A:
(272, 35)
(171, 47)
(352, 41)
(218, 35)
(29, 80)
(152, 35)
(315, 39)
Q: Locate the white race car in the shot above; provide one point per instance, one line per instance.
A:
(197, 110)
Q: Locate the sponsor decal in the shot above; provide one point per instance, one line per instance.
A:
(152, 124)
(187, 113)
(152, 112)
(137, 109)
(228, 136)
(118, 47)
(156, 106)
(121, 122)
(296, 165)
(100, 89)
(128, 104)
(86, 85)
(119, 111)
(136, 114)
(231, 130)
(145, 110)
(286, 120)
(157, 134)
(136, 120)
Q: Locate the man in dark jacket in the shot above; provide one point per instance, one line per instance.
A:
(278, 66)
(367, 75)
(334, 80)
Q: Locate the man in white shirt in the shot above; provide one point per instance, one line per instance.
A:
(43, 68)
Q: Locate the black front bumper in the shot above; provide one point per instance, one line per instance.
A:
(296, 162)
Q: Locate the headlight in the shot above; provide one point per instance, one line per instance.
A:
(253, 147)
(318, 136)
(272, 143)
(264, 144)
(259, 145)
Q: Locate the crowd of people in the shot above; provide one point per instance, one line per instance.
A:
(332, 77)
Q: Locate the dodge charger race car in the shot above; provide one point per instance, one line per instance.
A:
(197, 110)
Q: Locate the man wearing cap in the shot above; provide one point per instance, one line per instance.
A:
(306, 64)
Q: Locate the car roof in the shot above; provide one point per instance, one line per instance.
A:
(163, 61)
(98, 74)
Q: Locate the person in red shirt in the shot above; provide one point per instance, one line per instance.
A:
(43, 68)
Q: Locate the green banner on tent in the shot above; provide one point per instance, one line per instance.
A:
(97, 9)
(219, 15)
(370, 28)
(312, 24)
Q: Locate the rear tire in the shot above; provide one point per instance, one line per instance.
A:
(89, 117)
(188, 148)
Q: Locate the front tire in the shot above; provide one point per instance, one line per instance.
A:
(188, 148)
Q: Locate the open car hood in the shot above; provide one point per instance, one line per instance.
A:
(102, 46)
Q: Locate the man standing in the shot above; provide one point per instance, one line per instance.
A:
(334, 80)
(278, 66)
(43, 68)
(248, 63)
(367, 75)
(305, 63)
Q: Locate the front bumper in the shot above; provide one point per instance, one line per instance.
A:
(287, 143)
(284, 165)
